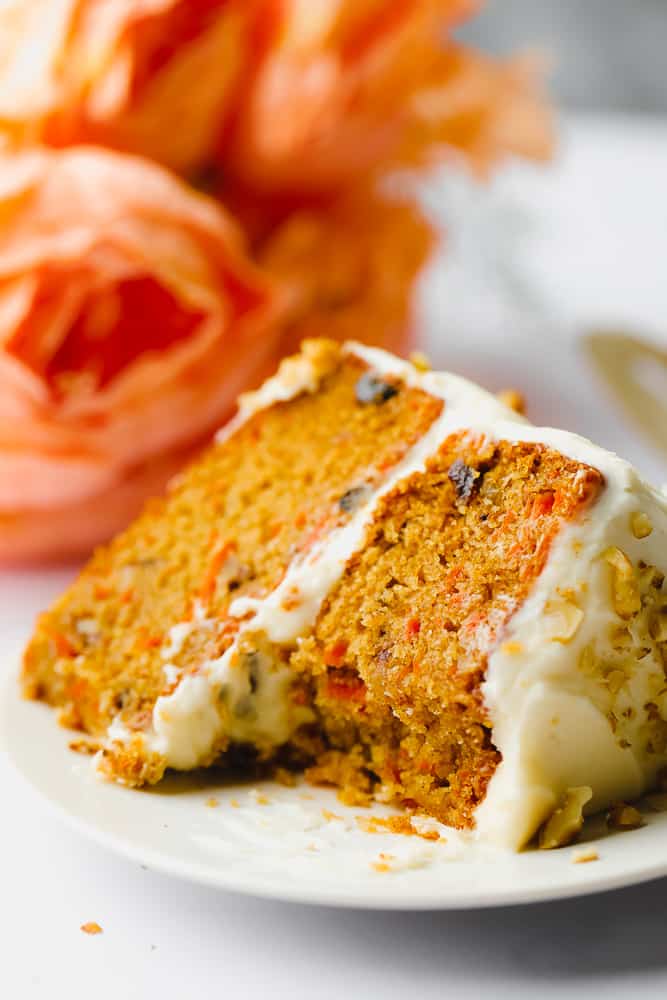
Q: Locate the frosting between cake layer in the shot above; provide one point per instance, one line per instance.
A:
(556, 724)
(187, 722)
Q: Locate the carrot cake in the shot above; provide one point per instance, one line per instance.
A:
(393, 580)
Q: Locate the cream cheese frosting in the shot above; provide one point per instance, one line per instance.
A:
(575, 690)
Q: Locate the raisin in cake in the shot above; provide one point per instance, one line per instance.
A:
(398, 580)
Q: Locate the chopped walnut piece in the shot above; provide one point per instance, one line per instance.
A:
(620, 638)
(588, 660)
(657, 625)
(640, 524)
(650, 577)
(419, 361)
(91, 928)
(625, 584)
(615, 680)
(564, 619)
(624, 817)
(567, 819)
(513, 399)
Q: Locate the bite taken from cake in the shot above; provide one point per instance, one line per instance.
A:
(392, 579)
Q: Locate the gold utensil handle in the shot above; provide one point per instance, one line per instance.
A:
(636, 373)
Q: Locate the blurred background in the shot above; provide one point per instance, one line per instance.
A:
(605, 54)
(521, 248)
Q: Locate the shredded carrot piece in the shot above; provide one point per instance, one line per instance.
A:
(63, 646)
(207, 589)
(542, 505)
(153, 641)
(346, 690)
(412, 627)
(334, 655)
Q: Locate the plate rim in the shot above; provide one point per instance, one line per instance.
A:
(292, 890)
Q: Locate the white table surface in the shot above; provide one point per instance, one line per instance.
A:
(167, 939)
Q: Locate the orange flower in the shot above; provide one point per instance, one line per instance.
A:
(348, 88)
(351, 268)
(130, 318)
(286, 95)
(149, 76)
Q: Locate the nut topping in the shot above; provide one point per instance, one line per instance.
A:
(567, 819)
(640, 524)
(564, 619)
(625, 585)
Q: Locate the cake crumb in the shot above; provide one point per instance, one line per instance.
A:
(234, 803)
(87, 747)
(356, 797)
(212, 802)
(91, 928)
(395, 824)
(583, 857)
(328, 815)
(259, 797)
(380, 866)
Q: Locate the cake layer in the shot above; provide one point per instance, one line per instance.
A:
(281, 477)
(391, 573)
(449, 555)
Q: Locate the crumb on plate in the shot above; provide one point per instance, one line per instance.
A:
(91, 928)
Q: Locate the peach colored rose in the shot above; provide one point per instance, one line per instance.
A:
(284, 95)
(351, 87)
(351, 268)
(155, 77)
(130, 318)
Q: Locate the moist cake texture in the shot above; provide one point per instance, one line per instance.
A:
(394, 578)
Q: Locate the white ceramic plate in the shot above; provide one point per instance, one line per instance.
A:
(273, 841)
(533, 264)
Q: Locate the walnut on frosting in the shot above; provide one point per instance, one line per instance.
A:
(566, 820)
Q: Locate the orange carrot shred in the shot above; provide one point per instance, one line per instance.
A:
(412, 627)
(207, 589)
(334, 655)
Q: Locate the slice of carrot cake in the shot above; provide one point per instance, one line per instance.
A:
(398, 580)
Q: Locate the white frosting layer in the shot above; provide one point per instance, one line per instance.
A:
(557, 725)
(572, 712)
